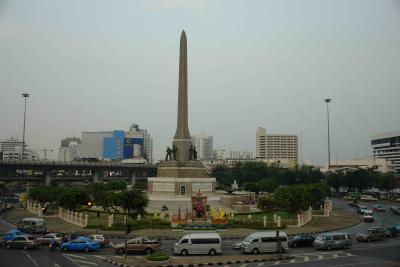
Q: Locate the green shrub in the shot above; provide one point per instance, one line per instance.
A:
(157, 256)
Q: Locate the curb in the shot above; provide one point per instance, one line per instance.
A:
(217, 263)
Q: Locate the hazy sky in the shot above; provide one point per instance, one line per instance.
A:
(101, 65)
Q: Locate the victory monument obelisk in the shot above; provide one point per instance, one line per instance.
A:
(181, 173)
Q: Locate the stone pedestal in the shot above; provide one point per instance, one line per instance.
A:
(181, 178)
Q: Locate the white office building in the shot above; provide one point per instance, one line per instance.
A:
(11, 149)
(379, 165)
(136, 132)
(69, 149)
(276, 146)
(92, 144)
(204, 146)
(240, 154)
(387, 146)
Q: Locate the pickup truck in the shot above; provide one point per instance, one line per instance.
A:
(138, 245)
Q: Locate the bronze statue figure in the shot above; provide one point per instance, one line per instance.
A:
(194, 153)
(168, 156)
(191, 152)
(174, 151)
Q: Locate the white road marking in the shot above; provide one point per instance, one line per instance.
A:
(29, 256)
(277, 262)
(84, 262)
(352, 264)
(335, 255)
(306, 258)
(75, 256)
(98, 256)
(243, 265)
(292, 261)
(56, 264)
(320, 257)
(260, 264)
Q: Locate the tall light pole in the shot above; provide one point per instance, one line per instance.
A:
(328, 100)
(25, 96)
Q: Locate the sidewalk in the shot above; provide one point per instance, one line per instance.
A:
(132, 261)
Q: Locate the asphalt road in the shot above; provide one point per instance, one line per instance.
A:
(382, 253)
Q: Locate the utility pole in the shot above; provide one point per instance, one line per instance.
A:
(25, 96)
(328, 100)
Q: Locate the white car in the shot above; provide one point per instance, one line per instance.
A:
(99, 239)
(368, 217)
(237, 244)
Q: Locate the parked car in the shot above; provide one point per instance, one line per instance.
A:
(198, 243)
(368, 217)
(23, 241)
(302, 241)
(237, 245)
(99, 239)
(333, 240)
(379, 207)
(373, 234)
(361, 209)
(265, 242)
(45, 240)
(368, 198)
(395, 210)
(11, 234)
(138, 244)
(390, 232)
(32, 225)
(1, 239)
(79, 245)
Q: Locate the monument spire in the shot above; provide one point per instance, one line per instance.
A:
(182, 140)
(182, 128)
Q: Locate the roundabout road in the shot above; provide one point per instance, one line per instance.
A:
(383, 253)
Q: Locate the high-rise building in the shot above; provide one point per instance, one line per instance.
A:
(69, 149)
(11, 149)
(117, 145)
(9, 144)
(387, 146)
(240, 154)
(204, 146)
(276, 146)
(261, 135)
(92, 145)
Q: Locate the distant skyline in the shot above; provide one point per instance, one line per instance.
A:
(102, 65)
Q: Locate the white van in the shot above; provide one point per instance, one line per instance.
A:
(264, 242)
(32, 225)
(198, 243)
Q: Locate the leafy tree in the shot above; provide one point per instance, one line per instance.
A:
(67, 198)
(115, 185)
(293, 197)
(70, 197)
(43, 194)
(134, 202)
(111, 200)
(318, 192)
(266, 203)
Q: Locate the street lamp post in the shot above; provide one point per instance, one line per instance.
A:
(328, 100)
(25, 96)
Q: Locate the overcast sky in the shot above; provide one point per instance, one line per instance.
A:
(101, 65)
